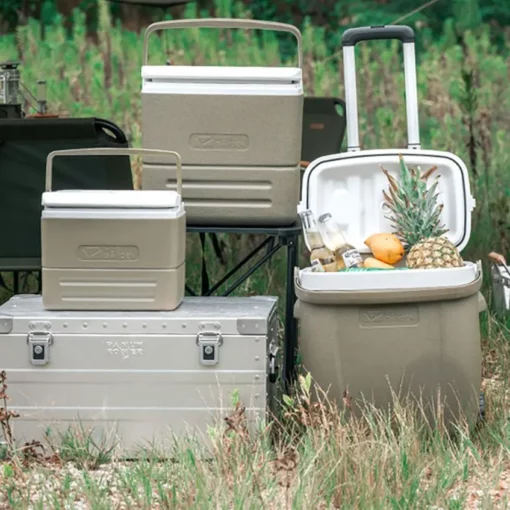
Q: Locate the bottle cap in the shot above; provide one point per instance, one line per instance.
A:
(324, 217)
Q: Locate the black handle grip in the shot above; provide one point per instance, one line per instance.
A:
(403, 33)
(115, 130)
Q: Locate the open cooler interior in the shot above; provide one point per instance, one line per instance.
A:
(350, 187)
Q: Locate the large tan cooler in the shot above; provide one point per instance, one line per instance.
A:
(238, 131)
(112, 250)
(414, 332)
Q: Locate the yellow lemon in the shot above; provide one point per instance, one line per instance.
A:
(386, 247)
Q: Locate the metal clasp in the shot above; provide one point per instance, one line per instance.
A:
(39, 343)
(273, 369)
(209, 343)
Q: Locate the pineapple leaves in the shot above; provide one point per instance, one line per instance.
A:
(415, 211)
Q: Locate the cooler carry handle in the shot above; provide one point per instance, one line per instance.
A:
(222, 23)
(350, 38)
(112, 152)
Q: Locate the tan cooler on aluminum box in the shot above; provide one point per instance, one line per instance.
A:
(412, 332)
(238, 131)
(112, 250)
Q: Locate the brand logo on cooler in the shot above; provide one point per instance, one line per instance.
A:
(125, 349)
(403, 316)
(218, 142)
(108, 253)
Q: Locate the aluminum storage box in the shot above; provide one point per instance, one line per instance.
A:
(139, 377)
(408, 332)
(112, 249)
(238, 131)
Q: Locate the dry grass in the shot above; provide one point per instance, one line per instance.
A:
(316, 457)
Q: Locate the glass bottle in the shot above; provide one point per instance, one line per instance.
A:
(321, 258)
(345, 254)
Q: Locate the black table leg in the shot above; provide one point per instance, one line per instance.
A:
(290, 337)
(15, 283)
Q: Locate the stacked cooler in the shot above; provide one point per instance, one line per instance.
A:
(113, 249)
(237, 129)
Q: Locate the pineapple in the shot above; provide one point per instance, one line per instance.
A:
(415, 217)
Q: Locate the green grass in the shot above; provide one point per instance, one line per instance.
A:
(464, 108)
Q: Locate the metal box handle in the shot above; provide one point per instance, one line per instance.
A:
(112, 152)
(222, 23)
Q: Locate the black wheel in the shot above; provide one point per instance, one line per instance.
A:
(481, 411)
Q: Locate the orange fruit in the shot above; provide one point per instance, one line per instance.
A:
(386, 247)
(371, 262)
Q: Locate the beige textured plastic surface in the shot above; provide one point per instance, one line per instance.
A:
(118, 289)
(232, 196)
(112, 262)
(220, 129)
(225, 133)
(414, 341)
(83, 243)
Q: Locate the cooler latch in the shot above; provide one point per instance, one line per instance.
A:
(39, 345)
(209, 344)
(273, 368)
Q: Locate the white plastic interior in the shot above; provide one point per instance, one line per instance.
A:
(222, 80)
(391, 279)
(350, 186)
(112, 199)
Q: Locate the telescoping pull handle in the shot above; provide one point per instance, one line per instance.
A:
(112, 152)
(222, 23)
(353, 36)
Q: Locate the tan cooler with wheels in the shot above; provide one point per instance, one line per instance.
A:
(238, 131)
(415, 332)
(112, 249)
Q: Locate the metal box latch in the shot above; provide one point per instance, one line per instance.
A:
(209, 344)
(39, 345)
(273, 368)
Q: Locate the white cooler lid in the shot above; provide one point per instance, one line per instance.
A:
(350, 185)
(222, 74)
(112, 199)
(214, 80)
